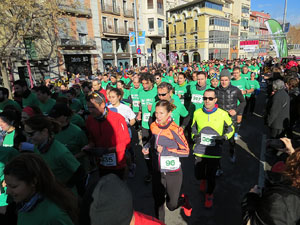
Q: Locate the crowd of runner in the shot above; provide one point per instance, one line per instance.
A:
(69, 146)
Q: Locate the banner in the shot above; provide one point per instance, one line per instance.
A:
(141, 37)
(278, 38)
(163, 58)
(132, 39)
(173, 58)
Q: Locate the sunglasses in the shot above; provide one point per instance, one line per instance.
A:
(164, 94)
(157, 78)
(208, 98)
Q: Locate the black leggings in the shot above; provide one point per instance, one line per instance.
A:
(145, 138)
(162, 184)
(205, 169)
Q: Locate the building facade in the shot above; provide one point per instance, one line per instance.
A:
(264, 39)
(240, 19)
(152, 16)
(199, 30)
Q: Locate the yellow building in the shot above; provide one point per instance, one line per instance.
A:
(199, 30)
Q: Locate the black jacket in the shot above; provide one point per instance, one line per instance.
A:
(228, 99)
(279, 113)
(279, 205)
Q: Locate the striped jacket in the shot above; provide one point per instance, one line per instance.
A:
(173, 141)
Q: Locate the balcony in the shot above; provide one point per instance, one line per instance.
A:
(182, 33)
(194, 30)
(71, 42)
(75, 10)
(262, 26)
(120, 31)
(161, 32)
(128, 13)
(110, 9)
(160, 11)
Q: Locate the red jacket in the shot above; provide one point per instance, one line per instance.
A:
(111, 132)
(103, 91)
(142, 219)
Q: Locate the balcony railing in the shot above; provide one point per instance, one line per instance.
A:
(128, 13)
(72, 42)
(119, 30)
(110, 9)
(161, 32)
(160, 11)
(75, 10)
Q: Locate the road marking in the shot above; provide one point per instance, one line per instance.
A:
(262, 165)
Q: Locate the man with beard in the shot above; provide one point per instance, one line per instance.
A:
(21, 90)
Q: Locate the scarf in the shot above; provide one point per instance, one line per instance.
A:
(210, 111)
(28, 206)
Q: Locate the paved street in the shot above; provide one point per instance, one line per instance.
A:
(237, 179)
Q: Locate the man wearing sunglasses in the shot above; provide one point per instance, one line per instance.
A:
(211, 126)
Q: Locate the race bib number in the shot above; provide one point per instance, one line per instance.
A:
(197, 98)
(146, 117)
(169, 163)
(208, 140)
(109, 159)
(135, 103)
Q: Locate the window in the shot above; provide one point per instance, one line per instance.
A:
(126, 26)
(160, 24)
(175, 44)
(82, 31)
(150, 4)
(245, 10)
(196, 25)
(116, 25)
(219, 22)
(184, 41)
(151, 23)
(227, 5)
(234, 30)
(124, 6)
(114, 5)
(174, 29)
(244, 35)
(244, 23)
(196, 42)
(184, 27)
(82, 38)
(218, 37)
(233, 43)
(213, 6)
(160, 6)
(104, 23)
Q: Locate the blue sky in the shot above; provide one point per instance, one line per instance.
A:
(276, 9)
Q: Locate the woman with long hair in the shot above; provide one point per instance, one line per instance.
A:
(40, 199)
(170, 144)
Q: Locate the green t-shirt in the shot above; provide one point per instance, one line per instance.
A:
(61, 161)
(247, 76)
(46, 107)
(168, 79)
(76, 105)
(242, 84)
(77, 120)
(180, 110)
(147, 98)
(45, 212)
(126, 80)
(73, 138)
(6, 154)
(183, 91)
(196, 98)
(126, 96)
(31, 100)
(135, 99)
(253, 84)
(9, 139)
(104, 84)
(9, 102)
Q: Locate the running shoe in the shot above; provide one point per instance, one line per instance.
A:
(187, 208)
(208, 201)
(148, 178)
(219, 172)
(203, 185)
